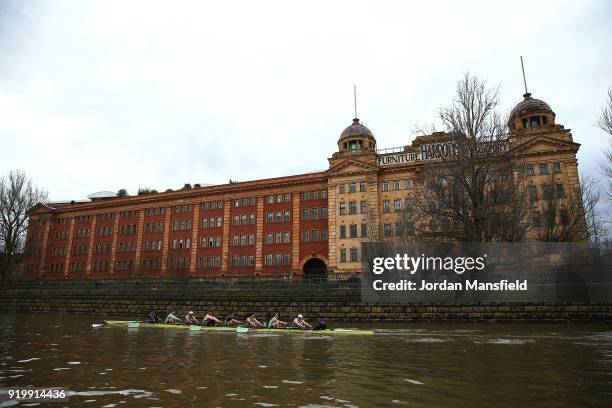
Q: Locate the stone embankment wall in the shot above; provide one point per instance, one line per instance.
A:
(336, 301)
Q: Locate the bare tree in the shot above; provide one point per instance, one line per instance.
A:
(17, 196)
(475, 189)
(605, 123)
(570, 217)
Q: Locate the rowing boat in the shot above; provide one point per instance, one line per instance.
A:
(138, 324)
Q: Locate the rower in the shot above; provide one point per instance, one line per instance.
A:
(251, 321)
(190, 318)
(210, 320)
(231, 320)
(301, 323)
(274, 323)
(172, 319)
(152, 318)
(322, 325)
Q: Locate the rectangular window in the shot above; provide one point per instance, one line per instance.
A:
(314, 235)
(556, 167)
(268, 259)
(363, 207)
(354, 255)
(352, 188)
(535, 220)
(315, 195)
(286, 216)
(547, 191)
(270, 217)
(530, 171)
(385, 186)
(277, 238)
(304, 213)
(315, 213)
(286, 237)
(305, 235)
(533, 193)
(396, 185)
(387, 230)
(543, 168)
(362, 187)
(269, 238)
(343, 231)
(323, 235)
(352, 207)
(364, 230)
(341, 188)
(407, 183)
(323, 193)
(324, 213)
(305, 195)
(560, 191)
(342, 208)
(353, 230)
(343, 255)
(397, 204)
(386, 207)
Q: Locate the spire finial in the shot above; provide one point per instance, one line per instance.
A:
(355, 99)
(527, 94)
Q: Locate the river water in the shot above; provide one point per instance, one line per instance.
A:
(412, 365)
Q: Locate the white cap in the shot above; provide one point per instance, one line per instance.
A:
(300, 316)
(190, 312)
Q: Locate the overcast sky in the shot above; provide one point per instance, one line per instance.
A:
(108, 95)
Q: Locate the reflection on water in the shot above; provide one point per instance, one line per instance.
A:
(425, 365)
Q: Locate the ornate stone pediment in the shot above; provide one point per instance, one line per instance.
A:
(544, 144)
(351, 166)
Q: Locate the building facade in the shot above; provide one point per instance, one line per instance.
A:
(304, 225)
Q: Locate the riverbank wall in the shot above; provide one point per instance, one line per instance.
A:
(336, 301)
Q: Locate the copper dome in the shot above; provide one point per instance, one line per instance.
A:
(356, 129)
(530, 105)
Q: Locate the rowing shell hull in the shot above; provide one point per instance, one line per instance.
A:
(134, 324)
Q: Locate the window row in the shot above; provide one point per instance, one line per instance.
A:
(82, 218)
(154, 226)
(128, 229)
(314, 195)
(62, 221)
(550, 218)
(278, 238)
(105, 231)
(243, 219)
(352, 187)
(543, 168)
(242, 260)
(61, 234)
(127, 246)
(155, 211)
(212, 205)
(277, 259)
(244, 201)
(210, 242)
(56, 251)
(279, 216)
(59, 267)
(400, 229)
(102, 248)
(212, 222)
(81, 233)
(106, 216)
(353, 255)
(101, 266)
(182, 208)
(129, 213)
(396, 184)
(209, 262)
(178, 263)
(80, 250)
(352, 207)
(352, 231)
(243, 240)
(181, 243)
(78, 266)
(152, 245)
(314, 214)
(37, 223)
(123, 265)
(149, 264)
(548, 192)
(314, 235)
(181, 225)
(397, 204)
(278, 198)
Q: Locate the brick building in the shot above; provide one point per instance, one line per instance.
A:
(307, 224)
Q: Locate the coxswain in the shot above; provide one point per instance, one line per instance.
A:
(152, 317)
(301, 323)
(322, 325)
(190, 318)
(275, 323)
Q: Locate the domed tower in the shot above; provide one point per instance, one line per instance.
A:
(531, 114)
(356, 139)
